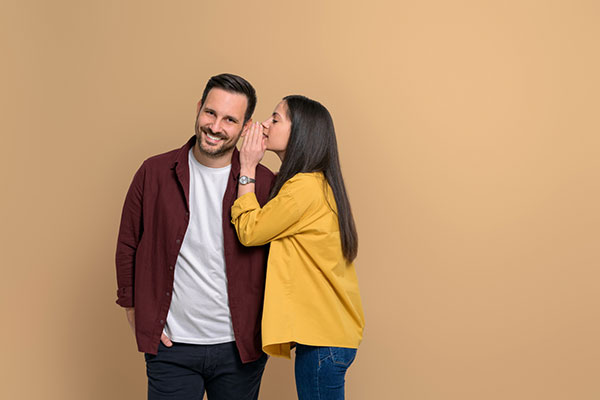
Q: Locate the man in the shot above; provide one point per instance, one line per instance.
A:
(192, 293)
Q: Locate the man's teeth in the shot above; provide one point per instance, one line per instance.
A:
(211, 137)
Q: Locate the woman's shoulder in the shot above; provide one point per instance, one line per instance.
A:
(305, 187)
(306, 179)
(303, 183)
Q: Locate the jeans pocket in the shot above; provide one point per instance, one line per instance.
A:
(323, 353)
(342, 355)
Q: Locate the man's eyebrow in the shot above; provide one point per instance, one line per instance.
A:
(226, 116)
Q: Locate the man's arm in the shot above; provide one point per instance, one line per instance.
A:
(130, 313)
(130, 233)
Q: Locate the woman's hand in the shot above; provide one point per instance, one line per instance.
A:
(253, 149)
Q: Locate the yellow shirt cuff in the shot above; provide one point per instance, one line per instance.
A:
(247, 202)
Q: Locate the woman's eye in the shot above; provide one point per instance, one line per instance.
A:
(275, 121)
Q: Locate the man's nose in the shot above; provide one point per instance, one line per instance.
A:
(216, 125)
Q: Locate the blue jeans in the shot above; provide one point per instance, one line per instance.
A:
(320, 371)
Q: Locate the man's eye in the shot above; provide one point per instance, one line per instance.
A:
(230, 119)
(209, 112)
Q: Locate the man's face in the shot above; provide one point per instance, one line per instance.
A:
(220, 122)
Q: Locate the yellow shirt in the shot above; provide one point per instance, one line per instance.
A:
(311, 293)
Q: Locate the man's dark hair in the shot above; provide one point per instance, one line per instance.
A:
(312, 147)
(233, 84)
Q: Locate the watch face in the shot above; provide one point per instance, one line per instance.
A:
(245, 180)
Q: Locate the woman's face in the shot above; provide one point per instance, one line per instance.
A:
(277, 129)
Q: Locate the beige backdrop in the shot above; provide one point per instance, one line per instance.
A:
(470, 142)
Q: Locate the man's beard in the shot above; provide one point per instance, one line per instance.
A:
(212, 151)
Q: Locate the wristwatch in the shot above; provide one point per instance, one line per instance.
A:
(244, 180)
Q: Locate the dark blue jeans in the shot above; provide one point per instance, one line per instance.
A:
(321, 371)
(185, 371)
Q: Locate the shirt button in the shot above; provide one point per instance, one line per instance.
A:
(168, 293)
(162, 321)
(178, 241)
(171, 268)
(187, 214)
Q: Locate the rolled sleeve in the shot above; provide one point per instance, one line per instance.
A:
(247, 202)
(125, 296)
(256, 226)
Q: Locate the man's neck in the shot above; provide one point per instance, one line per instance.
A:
(212, 162)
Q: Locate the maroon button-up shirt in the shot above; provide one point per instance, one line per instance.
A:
(154, 221)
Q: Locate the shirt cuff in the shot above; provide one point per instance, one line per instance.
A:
(243, 204)
(125, 296)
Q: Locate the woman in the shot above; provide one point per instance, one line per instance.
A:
(312, 299)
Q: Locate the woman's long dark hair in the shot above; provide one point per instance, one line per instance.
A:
(312, 147)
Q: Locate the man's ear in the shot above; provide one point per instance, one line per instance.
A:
(246, 127)
(199, 106)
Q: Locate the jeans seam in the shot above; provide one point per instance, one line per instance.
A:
(318, 373)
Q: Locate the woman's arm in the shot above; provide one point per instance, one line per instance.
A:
(252, 151)
(256, 226)
(278, 218)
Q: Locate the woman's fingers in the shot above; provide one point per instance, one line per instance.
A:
(252, 133)
(249, 135)
(253, 145)
(257, 135)
(254, 136)
(249, 139)
(245, 141)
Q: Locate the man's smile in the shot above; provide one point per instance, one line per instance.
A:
(212, 138)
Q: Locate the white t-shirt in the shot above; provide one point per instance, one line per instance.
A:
(199, 311)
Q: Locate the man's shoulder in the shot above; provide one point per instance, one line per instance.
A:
(160, 160)
(264, 172)
(264, 180)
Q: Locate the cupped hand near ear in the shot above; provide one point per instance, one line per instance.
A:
(254, 147)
